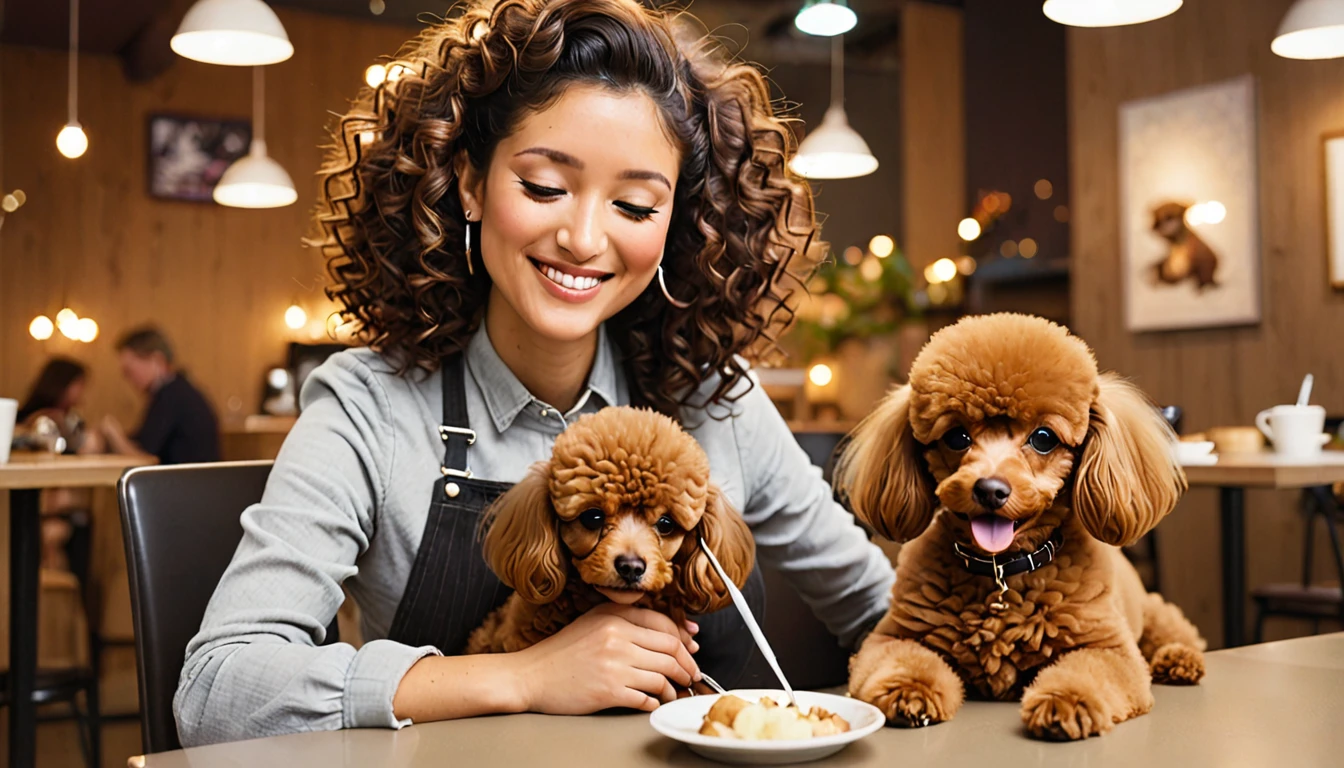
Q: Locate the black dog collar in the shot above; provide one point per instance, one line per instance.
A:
(1002, 568)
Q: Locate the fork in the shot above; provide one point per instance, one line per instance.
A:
(707, 680)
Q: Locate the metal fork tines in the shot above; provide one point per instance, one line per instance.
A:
(707, 680)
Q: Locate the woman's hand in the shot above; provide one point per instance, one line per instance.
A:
(612, 656)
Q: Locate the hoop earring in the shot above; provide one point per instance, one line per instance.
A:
(662, 283)
(467, 229)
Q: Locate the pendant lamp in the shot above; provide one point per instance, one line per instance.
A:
(238, 33)
(825, 18)
(1312, 29)
(71, 141)
(255, 180)
(834, 150)
(1108, 13)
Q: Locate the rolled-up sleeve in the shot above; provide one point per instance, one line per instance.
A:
(255, 668)
(801, 531)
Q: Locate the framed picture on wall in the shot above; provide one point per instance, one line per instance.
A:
(1189, 210)
(1334, 207)
(188, 155)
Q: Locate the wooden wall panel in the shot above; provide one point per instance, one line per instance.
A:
(1220, 376)
(933, 131)
(217, 279)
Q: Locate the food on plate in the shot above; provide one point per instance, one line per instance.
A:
(733, 717)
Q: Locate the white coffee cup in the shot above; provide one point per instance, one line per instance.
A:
(1297, 431)
(9, 409)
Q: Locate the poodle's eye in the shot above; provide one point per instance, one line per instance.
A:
(957, 439)
(1043, 440)
(592, 519)
(665, 526)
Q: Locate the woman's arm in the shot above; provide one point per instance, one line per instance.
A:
(612, 656)
(801, 531)
(255, 668)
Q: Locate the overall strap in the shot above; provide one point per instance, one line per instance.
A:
(455, 430)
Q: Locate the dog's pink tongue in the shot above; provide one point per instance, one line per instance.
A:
(991, 532)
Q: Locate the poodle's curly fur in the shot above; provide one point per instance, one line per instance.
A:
(613, 515)
(1077, 640)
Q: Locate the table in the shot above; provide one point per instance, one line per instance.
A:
(24, 477)
(1232, 475)
(1269, 704)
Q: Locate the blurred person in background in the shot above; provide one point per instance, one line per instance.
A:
(58, 393)
(180, 426)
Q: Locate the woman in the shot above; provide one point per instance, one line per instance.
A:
(560, 209)
(57, 394)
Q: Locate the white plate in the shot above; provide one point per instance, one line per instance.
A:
(681, 720)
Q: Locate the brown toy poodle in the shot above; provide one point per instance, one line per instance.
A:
(1015, 470)
(614, 515)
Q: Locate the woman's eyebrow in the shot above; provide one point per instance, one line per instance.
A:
(648, 175)
(564, 158)
(555, 155)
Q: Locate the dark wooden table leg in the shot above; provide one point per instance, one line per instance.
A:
(24, 550)
(1233, 503)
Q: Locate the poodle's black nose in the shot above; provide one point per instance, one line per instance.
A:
(630, 567)
(992, 492)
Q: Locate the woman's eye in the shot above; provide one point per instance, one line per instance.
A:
(665, 526)
(1043, 440)
(592, 519)
(636, 212)
(539, 192)
(957, 439)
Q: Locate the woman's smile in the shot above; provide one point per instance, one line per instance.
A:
(567, 282)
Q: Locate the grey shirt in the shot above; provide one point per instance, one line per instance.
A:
(346, 505)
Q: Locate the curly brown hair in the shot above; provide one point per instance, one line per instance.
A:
(392, 220)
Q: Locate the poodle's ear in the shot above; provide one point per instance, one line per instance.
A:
(882, 474)
(521, 544)
(1127, 478)
(728, 537)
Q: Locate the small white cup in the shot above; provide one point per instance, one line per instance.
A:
(1297, 431)
(9, 409)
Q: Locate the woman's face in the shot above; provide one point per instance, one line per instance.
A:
(73, 395)
(574, 210)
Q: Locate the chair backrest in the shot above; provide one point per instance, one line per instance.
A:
(181, 525)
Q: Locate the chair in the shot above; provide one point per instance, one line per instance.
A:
(181, 525)
(1304, 599)
(1143, 554)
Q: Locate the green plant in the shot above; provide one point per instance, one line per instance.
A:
(870, 297)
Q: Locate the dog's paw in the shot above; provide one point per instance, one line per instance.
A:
(1065, 715)
(914, 704)
(1177, 664)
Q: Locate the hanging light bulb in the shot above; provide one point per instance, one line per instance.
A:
(295, 317)
(834, 150)
(238, 33)
(375, 75)
(69, 328)
(1107, 13)
(68, 323)
(255, 180)
(41, 328)
(71, 141)
(86, 329)
(1312, 29)
(825, 18)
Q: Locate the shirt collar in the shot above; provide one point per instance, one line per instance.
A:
(505, 396)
